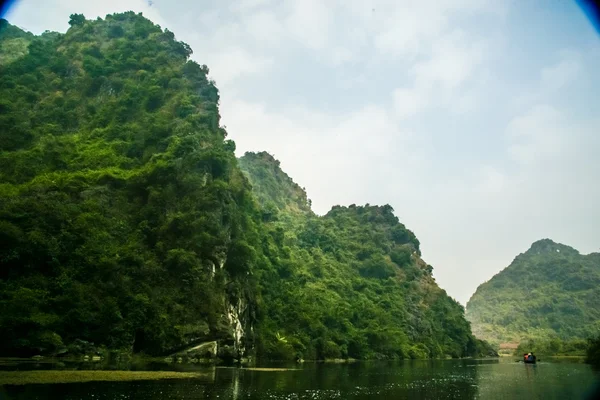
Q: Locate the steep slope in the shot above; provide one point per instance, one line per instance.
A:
(14, 42)
(550, 291)
(273, 188)
(124, 219)
(349, 284)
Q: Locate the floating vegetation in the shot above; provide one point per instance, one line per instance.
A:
(265, 369)
(30, 377)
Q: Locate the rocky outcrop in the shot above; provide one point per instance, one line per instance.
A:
(206, 350)
(232, 342)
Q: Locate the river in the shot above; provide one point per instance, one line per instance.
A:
(427, 379)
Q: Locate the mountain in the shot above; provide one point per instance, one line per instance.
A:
(128, 224)
(351, 283)
(549, 292)
(124, 220)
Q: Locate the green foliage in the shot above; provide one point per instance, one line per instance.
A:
(123, 218)
(550, 294)
(552, 347)
(348, 284)
(13, 42)
(273, 188)
(593, 351)
(76, 19)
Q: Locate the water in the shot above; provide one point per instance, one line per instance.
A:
(436, 379)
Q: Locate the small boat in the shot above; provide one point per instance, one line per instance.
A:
(529, 358)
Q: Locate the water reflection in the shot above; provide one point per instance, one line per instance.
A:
(436, 379)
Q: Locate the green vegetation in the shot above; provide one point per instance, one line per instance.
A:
(126, 221)
(47, 377)
(548, 299)
(592, 354)
(13, 42)
(553, 347)
(349, 284)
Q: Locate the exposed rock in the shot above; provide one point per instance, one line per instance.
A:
(202, 350)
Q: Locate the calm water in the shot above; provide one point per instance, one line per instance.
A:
(449, 379)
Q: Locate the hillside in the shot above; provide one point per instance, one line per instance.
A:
(349, 284)
(272, 187)
(14, 42)
(127, 224)
(549, 292)
(124, 220)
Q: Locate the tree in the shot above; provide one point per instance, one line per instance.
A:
(76, 19)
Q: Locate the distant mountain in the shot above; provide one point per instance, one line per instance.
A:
(550, 291)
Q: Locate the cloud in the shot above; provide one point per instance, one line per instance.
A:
(561, 74)
(409, 102)
(553, 78)
(265, 28)
(231, 64)
(309, 23)
(244, 6)
(492, 181)
(404, 33)
(438, 79)
(454, 58)
(538, 134)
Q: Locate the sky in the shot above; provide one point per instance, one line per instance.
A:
(476, 120)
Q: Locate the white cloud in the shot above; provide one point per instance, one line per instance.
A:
(341, 55)
(438, 79)
(265, 28)
(309, 23)
(561, 74)
(454, 58)
(409, 102)
(538, 134)
(234, 63)
(248, 5)
(553, 79)
(492, 181)
(405, 32)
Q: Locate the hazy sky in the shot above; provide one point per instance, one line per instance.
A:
(477, 120)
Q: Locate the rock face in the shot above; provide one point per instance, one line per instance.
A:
(549, 292)
(236, 311)
(207, 350)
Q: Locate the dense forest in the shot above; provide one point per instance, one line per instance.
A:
(349, 284)
(126, 222)
(548, 298)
